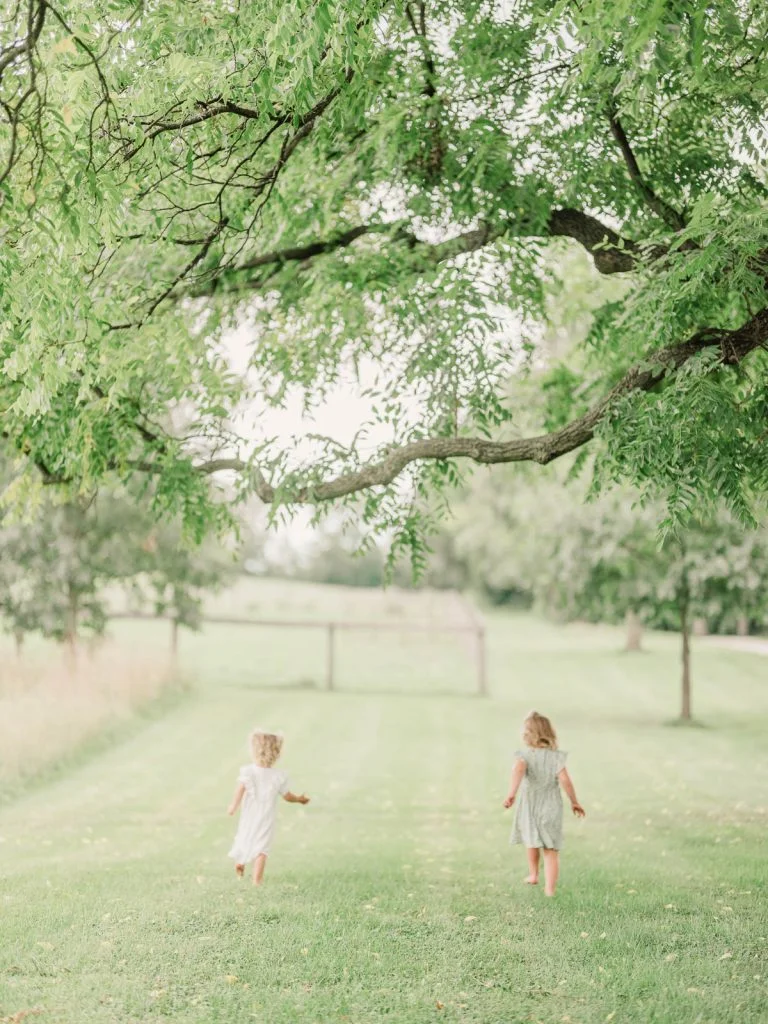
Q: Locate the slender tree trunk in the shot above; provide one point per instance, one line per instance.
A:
(634, 632)
(685, 709)
(73, 612)
(174, 638)
(742, 625)
(18, 639)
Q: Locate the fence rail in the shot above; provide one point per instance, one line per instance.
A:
(331, 628)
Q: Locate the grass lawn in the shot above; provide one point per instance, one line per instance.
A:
(394, 896)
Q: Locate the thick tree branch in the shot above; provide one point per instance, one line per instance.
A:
(612, 253)
(671, 217)
(733, 346)
(420, 31)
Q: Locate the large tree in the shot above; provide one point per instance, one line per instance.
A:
(374, 188)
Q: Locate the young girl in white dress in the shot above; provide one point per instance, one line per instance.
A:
(259, 785)
(539, 772)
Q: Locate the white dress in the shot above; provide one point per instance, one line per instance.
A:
(263, 788)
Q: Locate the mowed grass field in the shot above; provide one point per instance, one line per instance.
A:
(394, 895)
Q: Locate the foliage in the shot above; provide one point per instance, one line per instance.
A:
(344, 557)
(175, 577)
(56, 564)
(601, 559)
(372, 189)
(54, 567)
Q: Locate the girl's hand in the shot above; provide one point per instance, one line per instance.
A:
(508, 802)
(578, 810)
(303, 799)
(230, 810)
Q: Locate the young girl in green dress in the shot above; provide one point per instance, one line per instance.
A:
(538, 773)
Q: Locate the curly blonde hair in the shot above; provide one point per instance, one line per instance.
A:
(539, 732)
(265, 747)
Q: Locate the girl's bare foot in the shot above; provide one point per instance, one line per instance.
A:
(531, 880)
(239, 870)
(549, 893)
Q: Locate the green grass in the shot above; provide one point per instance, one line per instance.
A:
(394, 896)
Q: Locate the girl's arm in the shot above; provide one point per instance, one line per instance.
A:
(293, 798)
(236, 798)
(570, 792)
(518, 774)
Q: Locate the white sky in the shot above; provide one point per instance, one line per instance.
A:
(339, 417)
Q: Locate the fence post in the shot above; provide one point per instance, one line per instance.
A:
(482, 681)
(330, 657)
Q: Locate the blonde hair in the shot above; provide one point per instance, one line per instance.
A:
(265, 747)
(538, 732)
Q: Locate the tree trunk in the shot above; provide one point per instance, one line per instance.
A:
(174, 638)
(700, 627)
(18, 639)
(634, 632)
(73, 611)
(742, 625)
(685, 710)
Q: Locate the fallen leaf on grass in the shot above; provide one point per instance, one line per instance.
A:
(470, 918)
(439, 1005)
(230, 978)
(611, 1015)
(727, 955)
(585, 935)
(670, 957)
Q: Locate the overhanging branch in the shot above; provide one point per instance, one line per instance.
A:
(733, 346)
(671, 217)
(612, 253)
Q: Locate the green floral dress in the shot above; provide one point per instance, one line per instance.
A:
(539, 816)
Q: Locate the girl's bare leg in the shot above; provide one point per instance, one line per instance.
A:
(551, 871)
(258, 868)
(533, 865)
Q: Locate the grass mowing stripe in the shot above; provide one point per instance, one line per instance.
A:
(394, 896)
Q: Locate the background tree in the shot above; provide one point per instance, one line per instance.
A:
(371, 190)
(54, 567)
(58, 565)
(602, 561)
(174, 578)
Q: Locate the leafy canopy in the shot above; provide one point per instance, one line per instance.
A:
(374, 189)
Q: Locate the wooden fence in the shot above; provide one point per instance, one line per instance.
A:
(332, 628)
